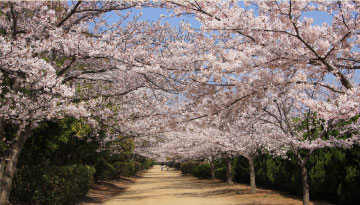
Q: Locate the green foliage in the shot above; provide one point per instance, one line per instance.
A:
(124, 150)
(60, 60)
(202, 171)
(136, 167)
(275, 173)
(188, 167)
(177, 165)
(220, 173)
(53, 164)
(72, 127)
(51, 185)
(241, 171)
(5, 84)
(146, 164)
(61, 143)
(125, 169)
(334, 174)
(105, 171)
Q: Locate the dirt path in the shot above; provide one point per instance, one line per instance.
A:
(156, 187)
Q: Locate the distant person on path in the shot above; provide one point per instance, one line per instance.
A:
(162, 167)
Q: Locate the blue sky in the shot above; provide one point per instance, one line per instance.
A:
(153, 14)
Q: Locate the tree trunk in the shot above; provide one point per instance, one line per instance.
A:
(252, 176)
(2, 136)
(229, 172)
(212, 169)
(304, 179)
(2, 125)
(8, 168)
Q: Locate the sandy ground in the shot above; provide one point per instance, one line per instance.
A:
(156, 187)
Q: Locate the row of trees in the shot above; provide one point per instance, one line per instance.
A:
(272, 80)
(255, 75)
(62, 59)
(333, 173)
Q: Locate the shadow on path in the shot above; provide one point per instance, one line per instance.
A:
(101, 191)
(155, 187)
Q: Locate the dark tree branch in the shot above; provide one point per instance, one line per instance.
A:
(61, 72)
(73, 11)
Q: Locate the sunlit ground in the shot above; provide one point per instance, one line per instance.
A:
(171, 187)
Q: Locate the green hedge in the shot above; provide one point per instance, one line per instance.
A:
(123, 169)
(177, 165)
(202, 171)
(51, 185)
(220, 173)
(334, 174)
(127, 169)
(187, 167)
(136, 167)
(146, 164)
(107, 171)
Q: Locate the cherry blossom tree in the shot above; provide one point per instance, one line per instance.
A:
(274, 44)
(250, 137)
(281, 37)
(65, 60)
(137, 78)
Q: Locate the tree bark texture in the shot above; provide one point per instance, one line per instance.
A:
(8, 165)
(229, 172)
(305, 184)
(212, 170)
(252, 176)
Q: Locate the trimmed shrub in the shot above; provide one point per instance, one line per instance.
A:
(146, 164)
(220, 173)
(124, 169)
(333, 174)
(136, 167)
(203, 171)
(241, 170)
(105, 171)
(177, 165)
(187, 167)
(51, 185)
